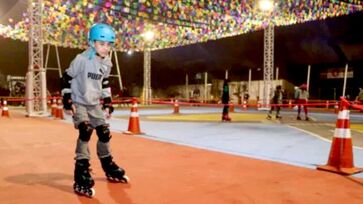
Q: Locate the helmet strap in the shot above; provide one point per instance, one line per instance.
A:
(92, 43)
(92, 53)
(100, 55)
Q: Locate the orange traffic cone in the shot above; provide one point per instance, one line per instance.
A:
(5, 110)
(134, 125)
(49, 102)
(341, 152)
(244, 106)
(176, 107)
(290, 104)
(59, 111)
(54, 107)
(336, 107)
(231, 107)
(258, 105)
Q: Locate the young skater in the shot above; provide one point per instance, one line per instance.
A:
(84, 83)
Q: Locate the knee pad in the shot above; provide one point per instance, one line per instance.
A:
(85, 131)
(103, 133)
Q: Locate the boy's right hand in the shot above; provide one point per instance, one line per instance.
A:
(67, 101)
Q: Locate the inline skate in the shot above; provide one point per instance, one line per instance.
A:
(226, 118)
(112, 171)
(83, 182)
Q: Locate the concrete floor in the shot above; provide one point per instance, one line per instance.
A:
(179, 162)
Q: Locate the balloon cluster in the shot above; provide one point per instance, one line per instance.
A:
(174, 22)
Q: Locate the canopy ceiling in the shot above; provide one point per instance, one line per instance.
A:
(175, 22)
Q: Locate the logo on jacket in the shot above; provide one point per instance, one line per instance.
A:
(94, 76)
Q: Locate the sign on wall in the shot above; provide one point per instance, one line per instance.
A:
(336, 73)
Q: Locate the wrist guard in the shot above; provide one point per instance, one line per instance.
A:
(67, 101)
(107, 104)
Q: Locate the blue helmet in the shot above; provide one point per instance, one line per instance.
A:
(101, 32)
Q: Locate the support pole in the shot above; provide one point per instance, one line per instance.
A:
(308, 78)
(59, 69)
(187, 87)
(118, 71)
(249, 81)
(345, 79)
(146, 93)
(205, 87)
(58, 61)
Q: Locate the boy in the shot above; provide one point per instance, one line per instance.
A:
(84, 83)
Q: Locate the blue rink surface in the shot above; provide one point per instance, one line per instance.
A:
(274, 142)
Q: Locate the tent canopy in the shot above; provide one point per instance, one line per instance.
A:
(175, 23)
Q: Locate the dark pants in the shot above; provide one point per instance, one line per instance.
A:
(301, 102)
(225, 109)
(278, 108)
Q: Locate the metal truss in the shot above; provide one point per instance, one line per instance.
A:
(146, 92)
(268, 64)
(36, 94)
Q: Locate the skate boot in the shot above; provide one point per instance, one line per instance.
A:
(268, 117)
(226, 118)
(113, 172)
(278, 117)
(83, 181)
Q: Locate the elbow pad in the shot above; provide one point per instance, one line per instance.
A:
(67, 101)
(66, 83)
(106, 89)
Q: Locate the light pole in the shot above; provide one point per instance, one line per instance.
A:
(146, 91)
(268, 50)
(255, 91)
(249, 81)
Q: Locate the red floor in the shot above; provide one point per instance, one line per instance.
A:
(36, 166)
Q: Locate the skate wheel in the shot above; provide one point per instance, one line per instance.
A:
(126, 179)
(91, 192)
(112, 179)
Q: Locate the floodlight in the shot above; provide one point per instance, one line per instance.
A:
(148, 35)
(265, 5)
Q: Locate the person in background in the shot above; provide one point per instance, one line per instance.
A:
(296, 93)
(359, 98)
(276, 102)
(225, 101)
(246, 96)
(302, 99)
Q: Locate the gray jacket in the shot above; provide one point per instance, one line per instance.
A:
(87, 78)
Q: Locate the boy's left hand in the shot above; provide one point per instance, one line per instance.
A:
(108, 110)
